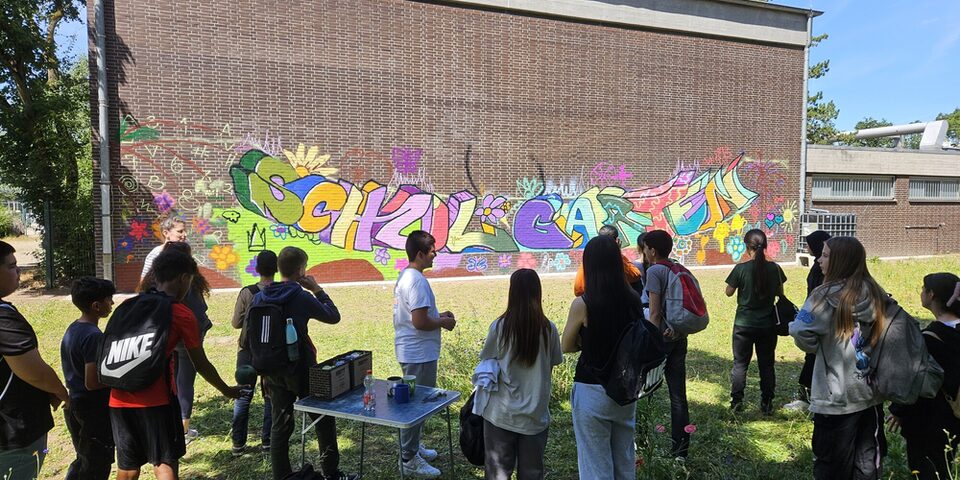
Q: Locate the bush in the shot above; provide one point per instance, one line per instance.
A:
(9, 223)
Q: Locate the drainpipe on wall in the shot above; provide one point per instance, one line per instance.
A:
(803, 124)
(103, 109)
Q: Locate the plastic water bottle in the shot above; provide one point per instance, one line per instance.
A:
(293, 350)
(369, 394)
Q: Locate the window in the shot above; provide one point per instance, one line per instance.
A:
(935, 189)
(852, 188)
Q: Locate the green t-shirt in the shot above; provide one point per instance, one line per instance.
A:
(754, 310)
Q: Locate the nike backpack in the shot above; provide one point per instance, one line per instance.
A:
(266, 338)
(132, 355)
(684, 308)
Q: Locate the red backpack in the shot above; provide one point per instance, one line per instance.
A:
(685, 310)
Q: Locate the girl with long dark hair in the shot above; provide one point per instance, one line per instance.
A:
(603, 429)
(925, 425)
(757, 282)
(815, 243)
(841, 322)
(516, 418)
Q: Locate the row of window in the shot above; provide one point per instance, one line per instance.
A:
(843, 187)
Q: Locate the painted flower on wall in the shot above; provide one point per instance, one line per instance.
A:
(491, 209)
(252, 268)
(561, 261)
(280, 231)
(308, 161)
(125, 244)
(736, 248)
(477, 264)
(138, 230)
(682, 246)
(163, 201)
(223, 256)
(505, 261)
(527, 260)
(382, 256)
(737, 223)
(201, 226)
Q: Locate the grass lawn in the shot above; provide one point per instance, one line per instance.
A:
(725, 446)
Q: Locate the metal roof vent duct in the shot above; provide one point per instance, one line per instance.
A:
(934, 133)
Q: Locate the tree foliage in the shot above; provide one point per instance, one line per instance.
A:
(821, 114)
(953, 131)
(44, 121)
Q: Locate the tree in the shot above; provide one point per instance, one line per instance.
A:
(953, 119)
(820, 114)
(44, 120)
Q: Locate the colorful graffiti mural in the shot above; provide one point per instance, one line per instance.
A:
(242, 193)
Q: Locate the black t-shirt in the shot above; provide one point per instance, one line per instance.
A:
(79, 347)
(24, 409)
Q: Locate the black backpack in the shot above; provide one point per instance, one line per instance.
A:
(266, 338)
(132, 354)
(471, 433)
(635, 369)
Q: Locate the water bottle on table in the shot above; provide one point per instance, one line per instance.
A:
(369, 394)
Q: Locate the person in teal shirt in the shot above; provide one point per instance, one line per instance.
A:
(757, 282)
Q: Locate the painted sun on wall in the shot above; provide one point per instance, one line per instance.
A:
(268, 197)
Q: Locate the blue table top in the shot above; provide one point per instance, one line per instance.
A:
(388, 412)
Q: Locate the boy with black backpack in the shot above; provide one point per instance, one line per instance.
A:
(281, 311)
(136, 361)
(88, 417)
(266, 268)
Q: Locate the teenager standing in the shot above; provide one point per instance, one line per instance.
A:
(756, 282)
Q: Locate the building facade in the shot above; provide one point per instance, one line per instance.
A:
(903, 202)
(512, 131)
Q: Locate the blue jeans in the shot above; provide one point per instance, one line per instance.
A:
(604, 433)
(23, 463)
(241, 409)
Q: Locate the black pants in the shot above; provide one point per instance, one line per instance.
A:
(675, 373)
(506, 452)
(284, 391)
(89, 427)
(849, 447)
(745, 339)
(926, 453)
(806, 374)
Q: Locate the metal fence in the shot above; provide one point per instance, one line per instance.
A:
(836, 224)
(26, 224)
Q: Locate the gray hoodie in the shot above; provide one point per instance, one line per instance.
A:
(839, 387)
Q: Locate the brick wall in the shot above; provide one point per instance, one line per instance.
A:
(882, 226)
(212, 101)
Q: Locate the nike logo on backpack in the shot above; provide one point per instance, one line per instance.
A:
(136, 348)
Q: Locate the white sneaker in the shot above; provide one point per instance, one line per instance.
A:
(428, 454)
(418, 466)
(190, 436)
(797, 405)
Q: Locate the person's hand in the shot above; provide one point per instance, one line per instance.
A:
(233, 392)
(56, 401)
(893, 423)
(447, 314)
(448, 323)
(668, 334)
(308, 282)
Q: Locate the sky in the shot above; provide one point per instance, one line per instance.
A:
(889, 59)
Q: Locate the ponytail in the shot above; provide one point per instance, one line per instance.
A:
(756, 240)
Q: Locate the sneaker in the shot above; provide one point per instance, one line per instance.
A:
(798, 405)
(265, 447)
(766, 406)
(418, 466)
(427, 453)
(238, 451)
(190, 436)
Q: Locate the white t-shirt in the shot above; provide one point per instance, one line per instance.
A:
(411, 345)
(148, 262)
